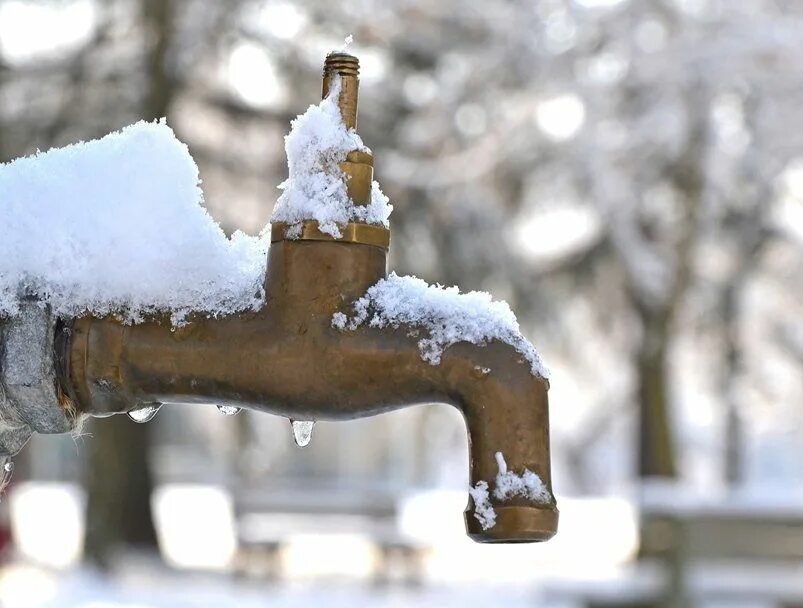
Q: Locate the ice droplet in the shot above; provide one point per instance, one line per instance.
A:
(229, 410)
(6, 471)
(145, 413)
(302, 431)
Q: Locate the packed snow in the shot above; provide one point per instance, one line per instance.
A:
(443, 313)
(315, 189)
(117, 225)
(508, 485)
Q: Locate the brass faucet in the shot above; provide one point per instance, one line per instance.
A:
(287, 359)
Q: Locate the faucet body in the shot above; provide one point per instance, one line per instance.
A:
(288, 359)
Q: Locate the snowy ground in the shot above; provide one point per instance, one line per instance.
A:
(591, 557)
(338, 568)
(149, 585)
(24, 586)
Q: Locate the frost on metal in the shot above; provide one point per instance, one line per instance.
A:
(315, 189)
(507, 485)
(444, 315)
(117, 225)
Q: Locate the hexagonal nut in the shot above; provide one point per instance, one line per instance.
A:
(27, 370)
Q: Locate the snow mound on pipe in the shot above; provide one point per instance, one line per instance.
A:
(443, 313)
(315, 190)
(117, 225)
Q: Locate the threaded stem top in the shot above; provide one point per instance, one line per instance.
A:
(348, 68)
(342, 63)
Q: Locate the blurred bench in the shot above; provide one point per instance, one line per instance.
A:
(267, 520)
(739, 550)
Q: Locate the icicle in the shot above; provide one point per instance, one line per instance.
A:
(229, 410)
(6, 471)
(302, 431)
(145, 413)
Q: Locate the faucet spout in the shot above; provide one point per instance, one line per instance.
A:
(506, 410)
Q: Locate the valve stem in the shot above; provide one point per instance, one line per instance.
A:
(348, 68)
(358, 168)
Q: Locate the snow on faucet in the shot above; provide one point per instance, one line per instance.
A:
(119, 294)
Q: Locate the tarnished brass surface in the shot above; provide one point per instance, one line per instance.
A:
(359, 164)
(287, 359)
(514, 523)
(365, 234)
(359, 171)
(348, 68)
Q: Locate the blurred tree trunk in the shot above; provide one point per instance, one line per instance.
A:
(119, 476)
(656, 447)
(733, 422)
(685, 175)
(119, 485)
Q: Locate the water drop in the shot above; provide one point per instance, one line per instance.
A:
(6, 471)
(229, 410)
(145, 413)
(302, 431)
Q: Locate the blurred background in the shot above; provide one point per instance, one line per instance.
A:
(627, 174)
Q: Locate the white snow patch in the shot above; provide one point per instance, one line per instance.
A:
(340, 321)
(483, 509)
(446, 315)
(508, 484)
(117, 225)
(315, 189)
(528, 484)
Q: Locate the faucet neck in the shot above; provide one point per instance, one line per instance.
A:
(319, 277)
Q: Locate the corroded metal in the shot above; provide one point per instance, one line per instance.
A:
(288, 359)
(30, 394)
